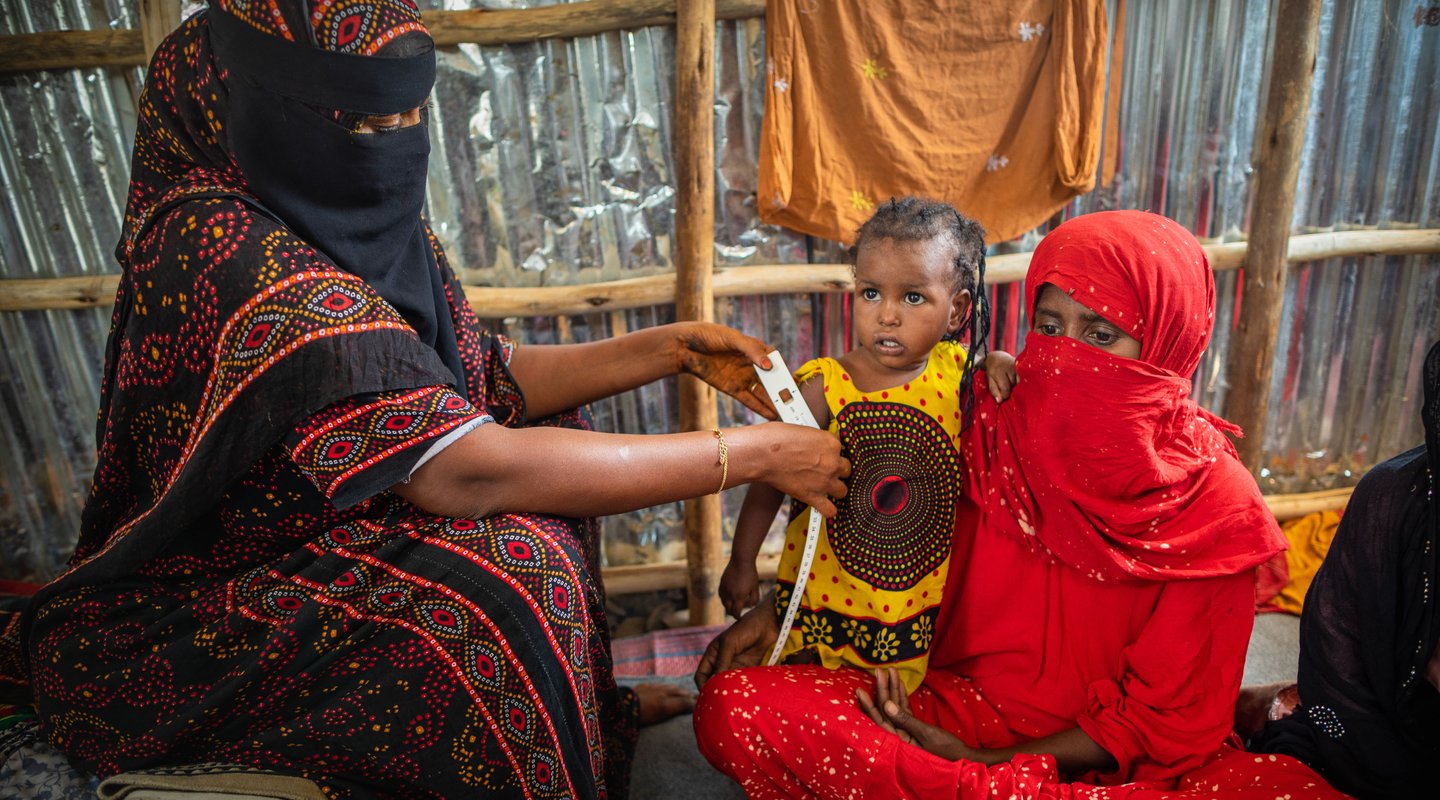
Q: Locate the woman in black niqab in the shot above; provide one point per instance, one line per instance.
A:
(337, 529)
(1369, 713)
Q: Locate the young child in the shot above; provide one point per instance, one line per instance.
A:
(896, 402)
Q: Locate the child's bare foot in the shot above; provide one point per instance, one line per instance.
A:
(661, 701)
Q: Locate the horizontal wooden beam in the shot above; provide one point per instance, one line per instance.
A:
(567, 21)
(491, 302)
(1293, 506)
(125, 47)
(71, 50)
(44, 294)
(1333, 244)
(637, 578)
(663, 575)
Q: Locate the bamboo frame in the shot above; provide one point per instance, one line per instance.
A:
(129, 48)
(498, 302)
(1281, 144)
(637, 578)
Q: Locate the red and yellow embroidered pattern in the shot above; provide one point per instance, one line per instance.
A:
(349, 438)
(359, 27)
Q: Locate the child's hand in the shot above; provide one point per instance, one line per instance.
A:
(739, 587)
(1000, 374)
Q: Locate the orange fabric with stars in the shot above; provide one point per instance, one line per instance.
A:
(880, 565)
(997, 108)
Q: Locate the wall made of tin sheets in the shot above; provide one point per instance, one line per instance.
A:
(551, 166)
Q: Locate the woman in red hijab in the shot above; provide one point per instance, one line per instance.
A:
(1093, 633)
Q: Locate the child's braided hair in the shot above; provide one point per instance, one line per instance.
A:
(920, 219)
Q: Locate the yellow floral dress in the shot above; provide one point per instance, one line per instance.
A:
(875, 584)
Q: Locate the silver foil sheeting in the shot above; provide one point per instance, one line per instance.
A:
(551, 166)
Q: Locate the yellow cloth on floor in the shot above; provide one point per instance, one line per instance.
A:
(1310, 538)
(996, 107)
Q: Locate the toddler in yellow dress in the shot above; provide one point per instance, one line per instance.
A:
(897, 403)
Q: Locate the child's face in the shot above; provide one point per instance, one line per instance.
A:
(905, 300)
(1056, 314)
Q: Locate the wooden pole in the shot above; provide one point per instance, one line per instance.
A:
(157, 19)
(1282, 138)
(693, 151)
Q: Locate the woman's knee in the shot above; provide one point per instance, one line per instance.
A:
(722, 717)
(742, 703)
(717, 703)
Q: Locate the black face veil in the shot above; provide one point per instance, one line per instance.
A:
(356, 197)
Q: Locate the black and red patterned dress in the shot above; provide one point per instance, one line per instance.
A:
(245, 590)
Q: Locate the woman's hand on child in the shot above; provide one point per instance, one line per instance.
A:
(726, 359)
(1000, 374)
(747, 643)
(739, 587)
(802, 462)
(890, 709)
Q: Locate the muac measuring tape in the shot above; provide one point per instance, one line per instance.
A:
(780, 385)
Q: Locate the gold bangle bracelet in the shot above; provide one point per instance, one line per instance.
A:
(724, 459)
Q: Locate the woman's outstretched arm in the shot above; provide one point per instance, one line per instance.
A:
(494, 469)
(559, 377)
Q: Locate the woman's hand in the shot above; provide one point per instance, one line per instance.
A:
(890, 709)
(556, 377)
(747, 643)
(1074, 751)
(802, 462)
(724, 358)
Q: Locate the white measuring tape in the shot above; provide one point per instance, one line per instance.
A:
(780, 385)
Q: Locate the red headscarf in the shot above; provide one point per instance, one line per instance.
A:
(1105, 463)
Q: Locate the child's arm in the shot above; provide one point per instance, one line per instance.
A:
(1000, 374)
(813, 390)
(740, 583)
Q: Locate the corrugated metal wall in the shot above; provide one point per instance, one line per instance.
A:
(552, 166)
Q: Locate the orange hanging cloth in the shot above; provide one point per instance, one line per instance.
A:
(998, 108)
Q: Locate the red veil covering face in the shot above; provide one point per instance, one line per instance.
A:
(1105, 463)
